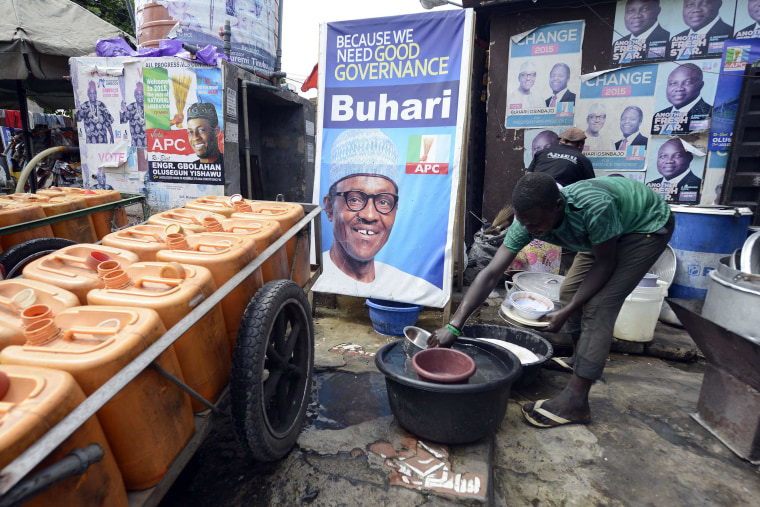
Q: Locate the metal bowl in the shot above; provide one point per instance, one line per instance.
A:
(415, 340)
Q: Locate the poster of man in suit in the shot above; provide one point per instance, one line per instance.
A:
(645, 38)
(746, 8)
(675, 169)
(706, 24)
(685, 97)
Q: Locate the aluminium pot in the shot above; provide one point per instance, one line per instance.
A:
(546, 284)
(731, 297)
(449, 413)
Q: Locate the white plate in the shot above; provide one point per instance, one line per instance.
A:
(511, 316)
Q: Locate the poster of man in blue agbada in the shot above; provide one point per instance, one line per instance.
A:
(737, 54)
(616, 109)
(543, 78)
(392, 106)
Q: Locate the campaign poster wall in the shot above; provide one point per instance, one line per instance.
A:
(615, 110)
(543, 78)
(112, 97)
(392, 105)
(737, 54)
(685, 94)
(671, 30)
(675, 168)
(713, 184)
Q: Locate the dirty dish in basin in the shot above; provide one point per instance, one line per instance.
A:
(529, 305)
(415, 340)
(447, 366)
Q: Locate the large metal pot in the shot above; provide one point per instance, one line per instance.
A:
(731, 296)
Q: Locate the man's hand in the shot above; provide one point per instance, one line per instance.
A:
(556, 319)
(441, 338)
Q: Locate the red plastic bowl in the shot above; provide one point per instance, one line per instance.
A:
(443, 365)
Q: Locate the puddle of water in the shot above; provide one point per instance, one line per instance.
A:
(342, 399)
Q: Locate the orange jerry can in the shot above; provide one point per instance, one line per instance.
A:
(71, 267)
(225, 255)
(218, 204)
(173, 290)
(37, 399)
(190, 220)
(144, 240)
(20, 197)
(52, 192)
(13, 213)
(81, 229)
(102, 220)
(21, 300)
(150, 420)
(264, 232)
(287, 214)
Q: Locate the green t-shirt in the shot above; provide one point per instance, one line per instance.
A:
(596, 211)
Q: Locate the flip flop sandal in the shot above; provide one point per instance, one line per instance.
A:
(556, 420)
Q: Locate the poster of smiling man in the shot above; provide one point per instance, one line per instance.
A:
(644, 37)
(699, 27)
(616, 110)
(675, 169)
(544, 76)
(393, 97)
(685, 93)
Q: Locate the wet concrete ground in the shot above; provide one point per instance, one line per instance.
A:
(642, 447)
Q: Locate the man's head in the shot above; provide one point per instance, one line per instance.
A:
(641, 15)
(92, 91)
(558, 77)
(543, 140)
(700, 13)
(753, 8)
(203, 131)
(672, 159)
(139, 96)
(573, 137)
(527, 76)
(363, 196)
(537, 203)
(684, 84)
(630, 120)
(597, 116)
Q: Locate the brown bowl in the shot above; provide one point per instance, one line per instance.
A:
(447, 366)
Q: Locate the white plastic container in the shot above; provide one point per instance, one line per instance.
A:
(641, 309)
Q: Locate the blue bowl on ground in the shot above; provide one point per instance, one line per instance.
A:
(391, 317)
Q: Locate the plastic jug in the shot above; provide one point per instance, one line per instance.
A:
(225, 255)
(102, 220)
(13, 213)
(190, 219)
(80, 229)
(287, 214)
(52, 192)
(150, 420)
(144, 240)
(264, 232)
(68, 268)
(37, 399)
(19, 294)
(218, 204)
(174, 290)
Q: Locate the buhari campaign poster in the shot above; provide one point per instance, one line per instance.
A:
(615, 109)
(652, 31)
(253, 24)
(714, 174)
(393, 102)
(685, 94)
(543, 78)
(134, 118)
(737, 54)
(675, 168)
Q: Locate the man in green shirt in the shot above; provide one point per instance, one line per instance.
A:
(619, 227)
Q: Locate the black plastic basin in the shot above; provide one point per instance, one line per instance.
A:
(525, 338)
(450, 413)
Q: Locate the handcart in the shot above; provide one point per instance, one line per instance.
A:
(269, 388)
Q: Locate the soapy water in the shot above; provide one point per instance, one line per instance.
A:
(489, 367)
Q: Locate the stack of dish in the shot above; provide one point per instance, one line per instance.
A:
(525, 308)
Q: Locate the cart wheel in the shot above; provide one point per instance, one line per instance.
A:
(272, 369)
(16, 257)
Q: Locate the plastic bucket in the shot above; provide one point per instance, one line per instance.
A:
(638, 316)
(391, 317)
(702, 236)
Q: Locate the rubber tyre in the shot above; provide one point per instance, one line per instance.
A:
(16, 257)
(272, 370)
